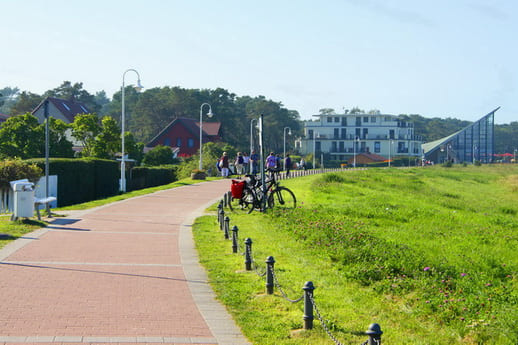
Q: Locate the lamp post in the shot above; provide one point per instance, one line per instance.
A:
(515, 155)
(209, 114)
(390, 151)
(252, 143)
(474, 150)
(356, 140)
(284, 147)
(314, 148)
(123, 120)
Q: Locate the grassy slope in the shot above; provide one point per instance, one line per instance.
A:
(430, 254)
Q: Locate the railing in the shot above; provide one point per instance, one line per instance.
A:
(272, 280)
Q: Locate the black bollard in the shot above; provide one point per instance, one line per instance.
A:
(248, 254)
(220, 207)
(234, 239)
(374, 332)
(270, 261)
(308, 305)
(222, 222)
(226, 226)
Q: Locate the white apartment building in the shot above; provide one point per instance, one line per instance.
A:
(344, 135)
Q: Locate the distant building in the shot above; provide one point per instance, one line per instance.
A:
(183, 136)
(343, 136)
(476, 142)
(62, 109)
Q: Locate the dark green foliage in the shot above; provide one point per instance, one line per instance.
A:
(16, 169)
(158, 155)
(81, 180)
(144, 177)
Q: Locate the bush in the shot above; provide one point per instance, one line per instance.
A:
(144, 177)
(159, 155)
(16, 169)
(81, 180)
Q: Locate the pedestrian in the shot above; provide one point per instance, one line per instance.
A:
(254, 161)
(302, 164)
(223, 164)
(239, 162)
(246, 162)
(287, 164)
(271, 162)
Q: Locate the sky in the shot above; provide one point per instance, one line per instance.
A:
(438, 58)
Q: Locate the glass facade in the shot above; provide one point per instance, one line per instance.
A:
(473, 143)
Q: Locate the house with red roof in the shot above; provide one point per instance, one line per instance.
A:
(62, 109)
(183, 136)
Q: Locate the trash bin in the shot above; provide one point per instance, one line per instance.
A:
(23, 198)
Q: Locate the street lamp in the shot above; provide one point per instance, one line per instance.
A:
(209, 114)
(356, 140)
(123, 120)
(474, 150)
(252, 143)
(390, 151)
(314, 148)
(284, 152)
(515, 155)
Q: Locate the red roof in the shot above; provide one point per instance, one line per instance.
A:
(69, 108)
(210, 128)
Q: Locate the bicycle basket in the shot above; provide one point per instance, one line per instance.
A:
(237, 189)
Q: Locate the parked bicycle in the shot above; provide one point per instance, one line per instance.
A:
(247, 195)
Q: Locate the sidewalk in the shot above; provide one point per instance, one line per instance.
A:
(122, 273)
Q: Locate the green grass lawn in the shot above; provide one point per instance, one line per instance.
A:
(428, 253)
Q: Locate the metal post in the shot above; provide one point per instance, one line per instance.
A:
(308, 305)
(225, 200)
(235, 231)
(248, 254)
(47, 151)
(261, 161)
(220, 206)
(225, 227)
(270, 261)
(374, 332)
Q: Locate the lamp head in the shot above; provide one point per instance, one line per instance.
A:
(289, 132)
(139, 86)
(210, 114)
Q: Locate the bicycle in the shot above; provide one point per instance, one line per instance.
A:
(247, 194)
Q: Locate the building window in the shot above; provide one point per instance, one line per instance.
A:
(373, 119)
(336, 133)
(377, 146)
(178, 142)
(190, 142)
(342, 147)
(167, 142)
(333, 146)
(344, 134)
(337, 119)
(317, 146)
(344, 121)
(310, 134)
(365, 119)
(329, 119)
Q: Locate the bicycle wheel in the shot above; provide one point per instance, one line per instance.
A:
(245, 204)
(282, 197)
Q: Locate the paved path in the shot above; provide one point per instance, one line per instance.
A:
(122, 273)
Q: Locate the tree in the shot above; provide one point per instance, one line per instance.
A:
(158, 155)
(8, 98)
(327, 111)
(356, 110)
(74, 92)
(21, 137)
(59, 145)
(25, 103)
(108, 141)
(85, 129)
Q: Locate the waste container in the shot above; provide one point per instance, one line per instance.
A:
(23, 198)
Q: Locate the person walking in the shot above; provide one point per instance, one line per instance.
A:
(254, 161)
(239, 164)
(271, 162)
(223, 163)
(302, 164)
(287, 164)
(246, 162)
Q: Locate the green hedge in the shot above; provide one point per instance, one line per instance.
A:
(81, 180)
(144, 177)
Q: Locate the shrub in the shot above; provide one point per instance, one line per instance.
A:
(144, 177)
(16, 169)
(159, 155)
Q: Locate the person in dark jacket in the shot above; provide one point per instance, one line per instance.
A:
(223, 163)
